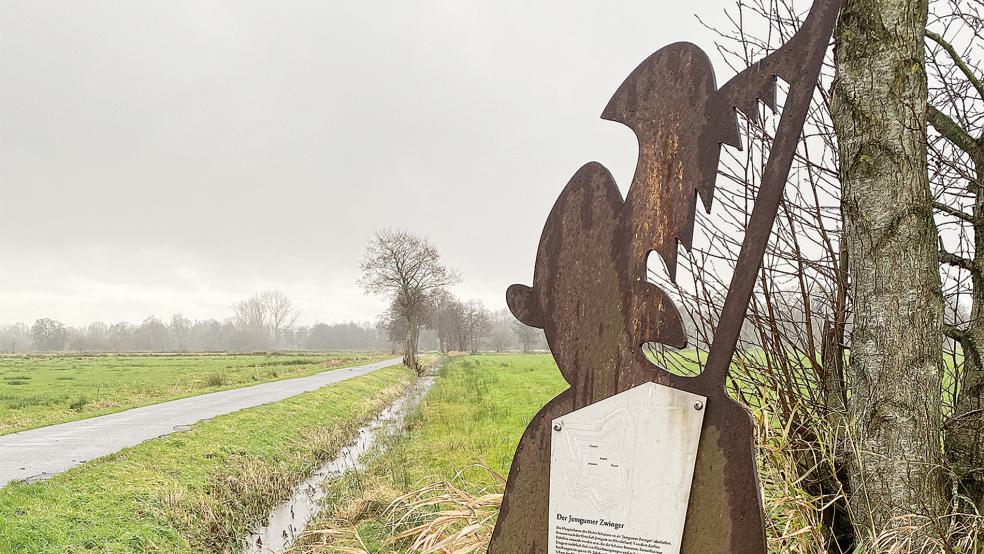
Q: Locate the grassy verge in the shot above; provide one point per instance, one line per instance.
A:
(451, 455)
(43, 390)
(193, 491)
(437, 486)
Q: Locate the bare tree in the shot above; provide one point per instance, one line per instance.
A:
(476, 324)
(48, 335)
(445, 317)
(796, 344)
(152, 335)
(955, 41)
(180, 330)
(281, 314)
(408, 269)
(501, 336)
(526, 335)
(15, 338)
(393, 325)
(118, 336)
(252, 318)
(798, 329)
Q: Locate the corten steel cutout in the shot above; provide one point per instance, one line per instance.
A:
(590, 291)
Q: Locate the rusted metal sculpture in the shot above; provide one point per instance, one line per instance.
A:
(591, 296)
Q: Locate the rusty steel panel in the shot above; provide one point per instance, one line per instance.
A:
(591, 296)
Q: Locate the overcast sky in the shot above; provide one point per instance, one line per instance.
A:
(176, 156)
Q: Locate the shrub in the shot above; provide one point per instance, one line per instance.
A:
(216, 380)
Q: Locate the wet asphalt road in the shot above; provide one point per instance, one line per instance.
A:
(40, 453)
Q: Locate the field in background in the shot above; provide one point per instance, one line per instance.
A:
(42, 390)
(195, 491)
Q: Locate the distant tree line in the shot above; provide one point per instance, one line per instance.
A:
(453, 325)
(468, 326)
(408, 270)
(267, 321)
(264, 321)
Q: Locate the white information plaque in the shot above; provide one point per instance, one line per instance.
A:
(621, 470)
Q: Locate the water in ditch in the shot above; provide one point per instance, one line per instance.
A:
(289, 519)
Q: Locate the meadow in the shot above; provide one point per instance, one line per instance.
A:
(195, 491)
(450, 458)
(436, 482)
(436, 485)
(43, 390)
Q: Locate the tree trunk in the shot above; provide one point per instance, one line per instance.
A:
(894, 371)
(964, 441)
(410, 346)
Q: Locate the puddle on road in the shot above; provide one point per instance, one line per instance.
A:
(289, 519)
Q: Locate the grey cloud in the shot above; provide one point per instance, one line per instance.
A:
(170, 156)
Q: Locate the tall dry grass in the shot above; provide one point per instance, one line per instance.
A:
(453, 516)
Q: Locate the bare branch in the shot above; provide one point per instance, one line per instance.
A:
(958, 61)
(954, 333)
(955, 212)
(955, 133)
(956, 261)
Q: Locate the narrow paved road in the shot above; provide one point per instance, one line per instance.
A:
(40, 453)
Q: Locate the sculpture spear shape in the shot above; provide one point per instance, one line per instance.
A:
(591, 295)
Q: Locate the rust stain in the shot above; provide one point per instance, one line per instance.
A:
(705, 511)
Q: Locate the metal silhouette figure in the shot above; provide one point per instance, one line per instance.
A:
(591, 296)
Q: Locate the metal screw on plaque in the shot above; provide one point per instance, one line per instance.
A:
(698, 405)
(558, 426)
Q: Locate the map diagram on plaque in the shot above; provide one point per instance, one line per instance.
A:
(599, 452)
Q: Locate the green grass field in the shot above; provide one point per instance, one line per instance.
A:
(442, 472)
(195, 491)
(475, 414)
(42, 390)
